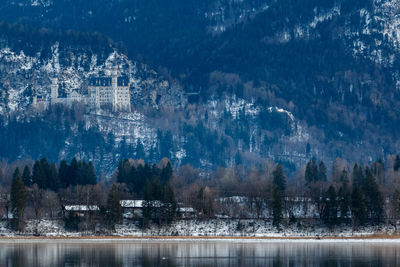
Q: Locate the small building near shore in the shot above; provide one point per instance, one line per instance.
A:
(82, 210)
(186, 213)
(132, 208)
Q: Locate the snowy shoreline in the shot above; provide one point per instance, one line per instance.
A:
(203, 230)
(174, 239)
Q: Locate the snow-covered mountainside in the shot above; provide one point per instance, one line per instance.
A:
(224, 82)
(23, 76)
(223, 14)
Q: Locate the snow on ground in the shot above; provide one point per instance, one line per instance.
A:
(4, 231)
(45, 228)
(199, 228)
(132, 126)
(251, 228)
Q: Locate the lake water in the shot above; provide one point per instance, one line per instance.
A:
(198, 253)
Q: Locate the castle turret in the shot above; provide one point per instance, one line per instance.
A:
(54, 91)
(115, 77)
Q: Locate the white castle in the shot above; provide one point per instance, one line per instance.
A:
(102, 91)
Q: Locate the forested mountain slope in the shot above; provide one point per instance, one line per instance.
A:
(285, 79)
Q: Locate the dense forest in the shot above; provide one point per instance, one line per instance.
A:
(348, 195)
(33, 40)
(61, 132)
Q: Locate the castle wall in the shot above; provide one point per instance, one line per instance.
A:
(123, 98)
(101, 91)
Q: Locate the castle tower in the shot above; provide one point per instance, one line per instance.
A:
(54, 91)
(114, 86)
(115, 77)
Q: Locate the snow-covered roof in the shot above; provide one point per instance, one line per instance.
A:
(186, 210)
(154, 203)
(298, 199)
(131, 203)
(234, 199)
(82, 207)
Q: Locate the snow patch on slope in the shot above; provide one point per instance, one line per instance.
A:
(235, 105)
(304, 30)
(321, 16)
(43, 3)
(132, 126)
(281, 110)
(379, 32)
(222, 15)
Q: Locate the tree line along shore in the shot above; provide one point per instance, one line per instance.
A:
(350, 195)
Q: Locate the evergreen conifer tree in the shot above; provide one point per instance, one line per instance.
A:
(311, 174)
(123, 149)
(73, 172)
(72, 222)
(157, 188)
(322, 172)
(47, 174)
(170, 204)
(90, 174)
(18, 203)
(140, 153)
(139, 179)
(166, 145)
(148, 200)
(358, 176)
(277, 206)
(373, 198)
(329, 215)
(121, 175)
(358, 209)
(38, 176)
(344, 196)
(133, 184)
(155, 171)
(153, 197)
(396, 202)
(53, 182)
(114, 209)
(378, 170)
(63, 174)
(147, 173)
(166, 173)
(16, 173)
(279, 178)
(110, 141)
(26, 176)
(396, 166)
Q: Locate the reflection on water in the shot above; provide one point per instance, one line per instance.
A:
(198, 253)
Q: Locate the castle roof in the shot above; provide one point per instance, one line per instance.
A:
(106, 81)
(75, 92)
(100, 81)
(123, 81)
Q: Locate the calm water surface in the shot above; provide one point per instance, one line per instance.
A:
(198, 253)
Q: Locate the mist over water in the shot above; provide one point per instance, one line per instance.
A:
(199, 253)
